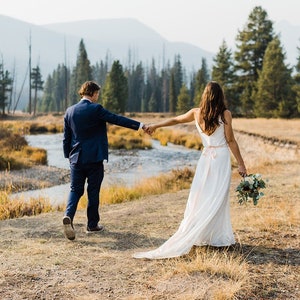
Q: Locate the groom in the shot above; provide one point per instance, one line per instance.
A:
(85, 144)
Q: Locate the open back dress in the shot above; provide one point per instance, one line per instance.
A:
(207, 215)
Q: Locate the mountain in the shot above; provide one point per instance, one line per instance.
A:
(122, 39)
(54, 44)
(119, 36)
(58, 43)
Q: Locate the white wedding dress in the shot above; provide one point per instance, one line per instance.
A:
(207, 215)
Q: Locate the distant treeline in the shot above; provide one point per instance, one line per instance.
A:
(255, 78)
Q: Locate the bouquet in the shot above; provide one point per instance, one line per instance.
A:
(249, 187)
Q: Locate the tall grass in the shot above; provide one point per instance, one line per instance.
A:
(229, 267)
(17, 208)
(124, 138)
(174, 181)
(178, 137)
(15, 152)
(33, 127)
(215, 262)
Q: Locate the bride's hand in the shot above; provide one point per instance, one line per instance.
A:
(150, 129)
(242, 170)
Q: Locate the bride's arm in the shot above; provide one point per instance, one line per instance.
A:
(232, 143)
(184, 118)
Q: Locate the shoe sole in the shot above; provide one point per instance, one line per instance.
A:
(68, 229)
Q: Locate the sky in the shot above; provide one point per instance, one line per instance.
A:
(204, 23)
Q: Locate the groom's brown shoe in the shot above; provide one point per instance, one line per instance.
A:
(96, 229)
(68, 228)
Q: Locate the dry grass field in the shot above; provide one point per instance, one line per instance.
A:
(277, 128)
(37, 262)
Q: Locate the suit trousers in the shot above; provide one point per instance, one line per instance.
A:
(93, 173)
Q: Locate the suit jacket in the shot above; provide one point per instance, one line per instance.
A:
(85, 132)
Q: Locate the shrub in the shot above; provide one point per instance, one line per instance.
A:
(16, 154)
(37, 128)
(14, 142)
(10, 209)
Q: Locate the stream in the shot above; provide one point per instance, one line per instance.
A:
(125, 167)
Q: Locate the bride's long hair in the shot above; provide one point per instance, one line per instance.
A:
(212, 107)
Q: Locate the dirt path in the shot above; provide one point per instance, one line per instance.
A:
(37, 262)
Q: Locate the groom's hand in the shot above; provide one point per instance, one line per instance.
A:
(147, 129)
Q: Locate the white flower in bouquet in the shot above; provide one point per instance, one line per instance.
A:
(258, 176)
(249, 179)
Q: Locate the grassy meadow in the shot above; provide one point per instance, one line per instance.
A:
(264, 263)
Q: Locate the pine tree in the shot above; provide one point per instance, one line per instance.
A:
(136, 86)
(82, 72)
(201, 80)
(55, 90)
(296, 87)
(172, 94)
(36, 85)
(152, 104)
(99, 72)
(274, 97)
(192, 88)
(59, 87)
(5, 87)
(252, 43)
(223, 73)
(115, 91)
(183, 102)
(165, 77)
(152, 92)
(178, 74)
(48, 98)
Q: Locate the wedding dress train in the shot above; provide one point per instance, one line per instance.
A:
(207, 215)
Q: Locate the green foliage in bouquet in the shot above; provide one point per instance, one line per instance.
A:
(249, 187)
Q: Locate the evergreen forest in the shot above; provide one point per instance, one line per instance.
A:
(256, 80)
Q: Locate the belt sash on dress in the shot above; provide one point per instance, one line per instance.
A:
(210, 151)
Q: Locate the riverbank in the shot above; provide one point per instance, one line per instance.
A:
(36, 177)
(256, 151)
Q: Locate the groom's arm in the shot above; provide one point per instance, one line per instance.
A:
(119, 120)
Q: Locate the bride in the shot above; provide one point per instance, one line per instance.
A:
(207, 215)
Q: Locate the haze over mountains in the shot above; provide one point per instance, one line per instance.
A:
(117, 37)
(58, 43)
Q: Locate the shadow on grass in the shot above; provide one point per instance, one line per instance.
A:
(34, 228)
(259, 255)
(123, 240)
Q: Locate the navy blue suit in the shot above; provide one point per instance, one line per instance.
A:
(85, 144)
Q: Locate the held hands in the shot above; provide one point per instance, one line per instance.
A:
(149, 129)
